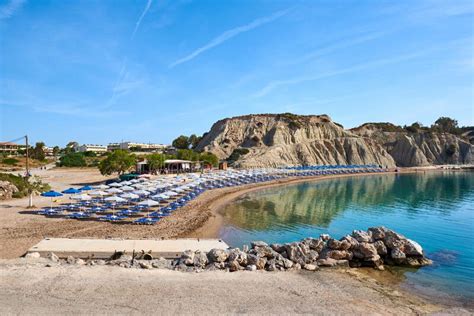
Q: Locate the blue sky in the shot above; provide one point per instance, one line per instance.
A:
(148, 70)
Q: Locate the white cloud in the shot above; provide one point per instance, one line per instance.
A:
(139, 21)
(9, 9)
(227, 35)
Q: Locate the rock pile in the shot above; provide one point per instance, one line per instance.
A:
(376, 247)
(7, 190)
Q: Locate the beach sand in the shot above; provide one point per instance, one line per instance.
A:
(33, 288)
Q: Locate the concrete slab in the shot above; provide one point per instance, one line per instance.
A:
(104, 248)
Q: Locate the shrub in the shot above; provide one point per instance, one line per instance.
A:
(10, 161)
(72, 160)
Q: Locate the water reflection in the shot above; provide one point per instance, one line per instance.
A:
(318, 203)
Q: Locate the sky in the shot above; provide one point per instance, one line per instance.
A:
(148, 70)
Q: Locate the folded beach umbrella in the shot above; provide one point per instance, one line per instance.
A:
(114, 190)
(86, 188)
(129, 196)
(71, 191)
(81, 197)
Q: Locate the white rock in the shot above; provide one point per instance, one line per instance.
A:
(33, 255)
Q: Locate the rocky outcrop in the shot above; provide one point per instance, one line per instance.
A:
(7, 190)
(272, 140)
(376, 247)
(423, 148)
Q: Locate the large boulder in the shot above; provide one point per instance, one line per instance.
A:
(365, 251)
(381, 248)
(314, 244)
(397, 255)
(187, 257)
(217, 255)
(412, 248)
(200, 259)
(239, 256)
(259, 262)
(353, 243)
(298, 252)
(378, 233)
(393, 240)
(361, 236)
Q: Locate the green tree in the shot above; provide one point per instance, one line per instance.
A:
(182, 142)
(71, 147)
(156, 162)
(194, 140)
(38, 151)
(187, 154)
(119, 161)
(209, 158)
(56, 151)
(446, 125)
(72, 160)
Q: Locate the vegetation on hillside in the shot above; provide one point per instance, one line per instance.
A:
(25, 186)
(236, 154)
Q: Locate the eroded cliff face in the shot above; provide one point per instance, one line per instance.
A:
(284, 139)
(420, 149)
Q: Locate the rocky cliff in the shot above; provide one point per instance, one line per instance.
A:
(422, 148)
(285, 139)
(270, 140)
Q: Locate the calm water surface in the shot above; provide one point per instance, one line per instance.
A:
(435, 209)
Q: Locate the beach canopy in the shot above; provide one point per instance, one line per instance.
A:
(141, 192)
(114, 190)
(149, 203)
(81, 197)
(71, 191)
(86, 188)
(101, 186)
(98, 193)
(51, 194)
(114, 199)
(129, 196)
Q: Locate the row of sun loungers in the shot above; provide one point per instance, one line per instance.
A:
(144, 201)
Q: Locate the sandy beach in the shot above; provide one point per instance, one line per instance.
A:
(44, 290)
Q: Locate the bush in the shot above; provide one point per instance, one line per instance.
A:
(72, 160)
(22, 185)
(10, 161)
(236, 154)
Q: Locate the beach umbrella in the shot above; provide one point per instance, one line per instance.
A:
(51, 194)
(86, 188)
(161, 196)
(71, 191)
(129, 196)
(141, 192)
(114, 190)
(149, 203)
(115, 184)
(115, 199)
(171, 193)
(127, 188)
(101, 186)
(98, 193)
(81, 197)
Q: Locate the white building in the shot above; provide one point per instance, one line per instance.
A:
(93, 148)
(132, 146)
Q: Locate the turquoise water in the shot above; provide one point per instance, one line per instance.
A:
(435, 209)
